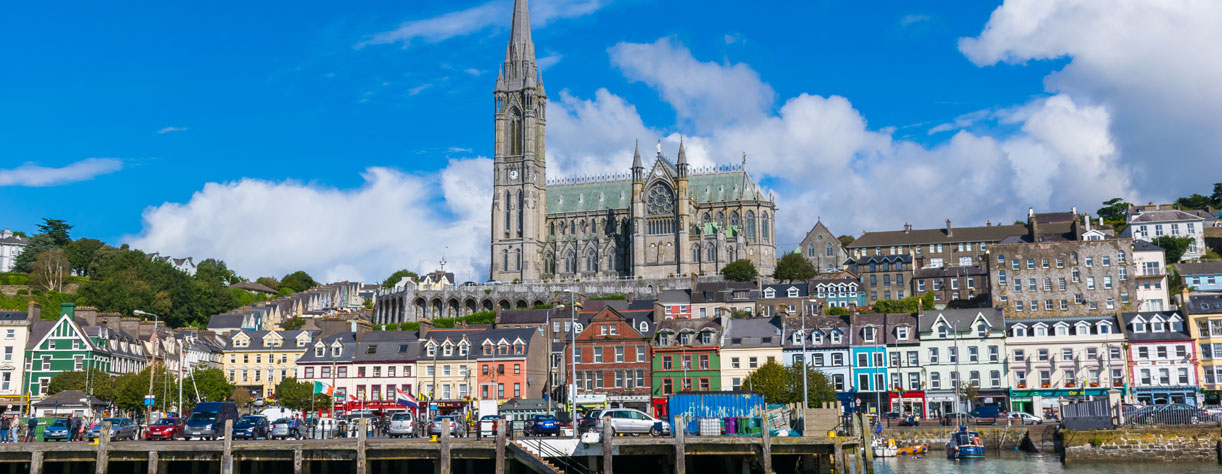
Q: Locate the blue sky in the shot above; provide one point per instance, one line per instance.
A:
(306, 119)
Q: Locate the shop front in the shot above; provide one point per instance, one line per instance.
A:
(1047, 403)
(591, 401)
(911, 402)
(1212, 397)
(639, 402)
(1189, 395)
(660, 405)
(997, 398)
(939, 403)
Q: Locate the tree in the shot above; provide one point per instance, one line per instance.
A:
(215, 271)
(269, 282)
(57, 229)
(1173, 247)
(300, 396)
(1195, 201)
(298, 281)
(241, 397)
(94, 380)
(740, 270)
(212, 384)
(845, 240)
(907, 305)
(1112, 212)
(80, 254)
(37, 244)
(294, 324)
(50, 270)
(970, 392)
(794, 267)
(130, 388)
(784, 384)
(837, 311)
(396, 277)
(1216, 197)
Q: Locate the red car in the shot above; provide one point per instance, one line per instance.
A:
(168, 428)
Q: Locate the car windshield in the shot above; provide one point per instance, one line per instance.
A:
(166, 422)
(283, 421)
(489, 418)
(595, 414)
(545, 418)
(249, 420)
(60, 423)
(203, 416)
(400, 416)
(115, 421)
(443, 418)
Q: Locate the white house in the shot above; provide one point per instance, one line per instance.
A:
(1149, 271)
(826, 340)
(963, 346)
(1152, 221)
(1164, 359)
(10, 247)
(14, 332)
(1056, 360)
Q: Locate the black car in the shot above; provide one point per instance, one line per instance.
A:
(251, 427)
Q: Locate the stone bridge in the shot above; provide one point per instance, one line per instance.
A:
(410, 303)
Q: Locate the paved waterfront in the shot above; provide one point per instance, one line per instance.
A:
(1011, 462)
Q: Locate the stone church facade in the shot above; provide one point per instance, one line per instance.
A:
(667, 220)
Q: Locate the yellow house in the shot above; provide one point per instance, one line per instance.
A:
(258, 360)
(1205, 324)
(746, 345)
(445, 370)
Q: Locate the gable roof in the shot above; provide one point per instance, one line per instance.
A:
(1202, 303)
(1165, 215)
(962, 319)
(1168, 334)
(1201, 268)
(752, 332)
(825, 324)
(935, 236)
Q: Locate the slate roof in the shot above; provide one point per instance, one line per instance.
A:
(38, 331)
(825, 324)
(956, 271)
(1199, 303)
(880, 321)
(782, 290)
(936, 236)
(1143, 246)
(347, 342)
(396, 346)
(962, 319)
(723, 292)
(1165, 215)
(69, 398)
(1167, 335)
(1202, 268)
(675, 297)
(843, 276)
(524, 316)
(494, 335)
(1051, 217)
(1071, 320)
(14, 240)
(253, 286)
(256, 340)
(868, 259)
(226, 321)
(617, 194)
(752, 332)
(13, 315)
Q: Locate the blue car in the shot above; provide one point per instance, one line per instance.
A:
(58, 431)
(544, 425)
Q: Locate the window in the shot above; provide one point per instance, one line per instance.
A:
(973, 354)
(1045, 378)
(995, 378)
(1043, 355)
(935, 380)
(933, 355)
(1019, 355)
(1030, 263)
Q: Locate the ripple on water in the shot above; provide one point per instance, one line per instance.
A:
(1016, 462)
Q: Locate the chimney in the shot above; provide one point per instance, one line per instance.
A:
(1033, 228)
(1087, 220)
(949, 231)
(34, 310)
(426, 325)
(988, 223)
(907, 227)
(1075, 211)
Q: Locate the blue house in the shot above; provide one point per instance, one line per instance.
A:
(868, 351)
(842, 289)
(1203, 276)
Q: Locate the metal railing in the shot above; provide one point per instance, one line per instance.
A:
(1173, 414)
(549, 453)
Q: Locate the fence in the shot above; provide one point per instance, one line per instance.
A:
(1173, 414)
(1092, 415)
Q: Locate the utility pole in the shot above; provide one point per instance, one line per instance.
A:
(148, 408)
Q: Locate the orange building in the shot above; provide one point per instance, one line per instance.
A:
(510, 363)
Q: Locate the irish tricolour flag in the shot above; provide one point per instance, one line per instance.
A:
(323, 388)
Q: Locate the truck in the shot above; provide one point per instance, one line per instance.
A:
(985, 412)
(488, 418)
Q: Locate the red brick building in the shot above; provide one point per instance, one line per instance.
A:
(613, 357)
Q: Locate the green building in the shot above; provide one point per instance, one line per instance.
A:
(686, 357)
(64, 345)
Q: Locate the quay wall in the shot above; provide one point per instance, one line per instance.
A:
(935, 437)
(1142, 443)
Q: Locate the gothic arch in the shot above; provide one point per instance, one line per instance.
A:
(435, 308)
(536, 303)
(504, 304)
(764, 228)
(452, 308)
(750, 224)
(469, 306)
(486, 305)
(515, 131)
(521, 304)
(419, 306)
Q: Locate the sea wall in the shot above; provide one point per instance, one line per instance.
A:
(935, 437)
(1142, 443)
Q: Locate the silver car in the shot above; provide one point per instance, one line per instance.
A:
(401, 424)
(120, 428)
(282, 429)
(456, 428)
(629, 421)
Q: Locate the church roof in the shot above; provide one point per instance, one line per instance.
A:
(715, 186)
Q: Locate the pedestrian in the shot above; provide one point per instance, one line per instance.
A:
(14, 424)
(74, 428)
(4, 429)
(31, 429)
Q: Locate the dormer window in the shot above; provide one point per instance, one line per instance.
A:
(336, 350)
(982, 330)
(867, 333)
(1175, 323)
(818, 337)
(836, 337)
(901, 333)
(943, 331)
(519, 348)
(1041, 331)
(1082, 329)
(502, 349)
(644, 327)
(1139, 326)
(447, 350)
(1019, 331)
(706, 337)
(463, 348)
(487, 348)
(769, 293)
(1062, 329)
(797, 337)
(685, 339)
(793, 292)
(430, 350)
(319, 350)
(1156, 325)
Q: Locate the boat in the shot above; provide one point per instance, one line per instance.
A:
(884, 448)
(965, 444)
(912, 450)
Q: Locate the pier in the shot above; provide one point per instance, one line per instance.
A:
(446, 455)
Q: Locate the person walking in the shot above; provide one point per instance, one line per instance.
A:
(14, 426)
(31, 428)
(4, 429)
(74, 428)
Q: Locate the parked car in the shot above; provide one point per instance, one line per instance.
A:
(319, 428)
(456, 428)
(1173, 414)
(488, 425)
(401, 424)
(120, 428)
(892, 415)
(281, 429)
(543, 425)
(1026, 418)
(167, 428)
(627, 421)
(207, 420)
(251, 427)
(58, 430)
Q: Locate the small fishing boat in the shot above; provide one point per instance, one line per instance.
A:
(912, 450)
(884, 448)
(965, 444)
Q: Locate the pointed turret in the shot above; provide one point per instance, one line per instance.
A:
(681, 165)
(520, 53)
(638, 169)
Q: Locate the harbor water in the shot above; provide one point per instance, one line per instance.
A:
(1017, 462)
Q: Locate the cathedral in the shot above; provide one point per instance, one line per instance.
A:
(667, 220)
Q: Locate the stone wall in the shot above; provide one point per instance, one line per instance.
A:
(1141, 443)
(999, 437)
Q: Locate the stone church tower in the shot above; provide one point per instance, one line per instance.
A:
(519, 167)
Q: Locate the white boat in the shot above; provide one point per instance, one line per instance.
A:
(885, 448)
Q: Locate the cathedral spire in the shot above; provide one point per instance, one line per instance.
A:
(521, 47)
(681, 165)
(638, 168)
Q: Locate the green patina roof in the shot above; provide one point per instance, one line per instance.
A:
(605, 195)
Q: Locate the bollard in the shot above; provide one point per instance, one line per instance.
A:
(443, 460)
(608, 440)
(152, 467)
(103, 443)
(838, 456)
(362, 464)
(297, 460)
(766, 436)
(867, 441)
(227, 454)
(500, 447)
(680, 455)
(36, 462)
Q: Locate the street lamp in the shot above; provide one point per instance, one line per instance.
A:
(148, 410)
(572, 356)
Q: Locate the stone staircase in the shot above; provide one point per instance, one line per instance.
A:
(532, 459)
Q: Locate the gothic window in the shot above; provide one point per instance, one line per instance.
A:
(707, 217)
(830, 250)
(585, 227)
(507, 211)
(505, 260)
(573, 227)
(517, 259)
(721, 218)
(730, 253)
(764, 226)
(570, 262)
(521, 213)
(515, 131)
(551, 229)
(591, 260)
(659, 200)
(750, 225)
(810, 250)
(549, 263)
(710, 253)
(695, 252)
(734, 219)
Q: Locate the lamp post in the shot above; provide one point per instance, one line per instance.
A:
(572, 357)
(148, 408)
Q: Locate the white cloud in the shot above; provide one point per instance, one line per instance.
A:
(31, 174)
(548, 61)
(394, 220)
(492, 14)
(912, 18)
(697, 90)
(1153, 66)
(824, 160)
(589, 137)
(172, 129)
(418, 89)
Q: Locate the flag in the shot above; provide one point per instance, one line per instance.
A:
(323, 388)
(352, 397)
(405, 399)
